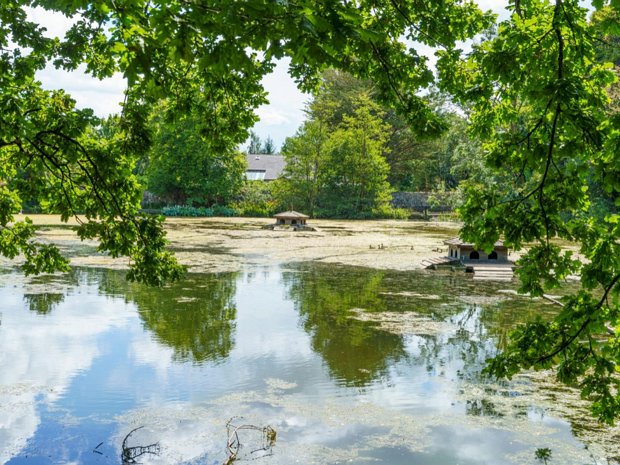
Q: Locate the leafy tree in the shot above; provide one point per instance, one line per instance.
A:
(416, 161)
(201, 57)
(539, 102)
(607, 44)
(183, 168)
(540, 105)
(338, 96)
(256, 145)
(257, 198)
(338, 170)
(306, 156)
(356, 172)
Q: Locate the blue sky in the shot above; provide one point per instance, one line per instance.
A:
(279, 119)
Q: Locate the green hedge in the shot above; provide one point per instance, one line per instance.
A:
(185, 210)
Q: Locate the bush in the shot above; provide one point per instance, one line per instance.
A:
(257, 199)
(187, 211)
(389, 212)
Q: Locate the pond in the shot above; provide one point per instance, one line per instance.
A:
(347, 365)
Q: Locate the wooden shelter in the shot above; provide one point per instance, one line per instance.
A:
(291, 218)
(467, 253)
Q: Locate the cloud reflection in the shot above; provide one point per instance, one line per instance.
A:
(41, 354)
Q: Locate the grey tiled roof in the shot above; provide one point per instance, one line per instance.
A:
(291, 214)
(272, 165)
(459, 241)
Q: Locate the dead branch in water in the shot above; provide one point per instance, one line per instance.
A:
(130, 454)
(233, 445)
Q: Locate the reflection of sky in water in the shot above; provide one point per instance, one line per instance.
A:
(101, 361)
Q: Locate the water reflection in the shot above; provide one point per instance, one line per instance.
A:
(43, 304)
(356, 352)
(482, 407)
(421, 319)
(195, 317)
(40, 357)
(290, 348)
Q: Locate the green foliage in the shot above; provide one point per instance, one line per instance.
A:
(306, 156)
(386, 211)
(354, 352)
(442, 162)
(203, 60)
(335, 164)
(258, 146)
(182, 166)
(605, 23)
(543, 455)
(356, 176)
(198, 328)
(257, 199)
(189, 211)
(540, 104)
(418, 160)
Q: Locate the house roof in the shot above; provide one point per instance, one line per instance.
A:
(271, 165)
(291, 214)
(459, 242)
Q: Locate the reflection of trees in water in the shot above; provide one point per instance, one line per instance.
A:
(42, 293)
(359, 352)
(44, 303)
(356, 352)
(195, 317)
(459, 352)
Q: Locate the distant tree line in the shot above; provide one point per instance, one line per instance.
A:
(345, 160)
(256, 145)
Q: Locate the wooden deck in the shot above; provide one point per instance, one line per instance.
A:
(492, 271)
(483, 271)
(435, 261)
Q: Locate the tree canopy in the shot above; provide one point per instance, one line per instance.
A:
(536, 88)
(541, 105)
(335, 164)
(182, 168)
(206, 57)
(256, 145)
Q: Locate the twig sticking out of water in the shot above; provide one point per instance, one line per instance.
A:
(95, 451)
(233, 445)
(130, 454)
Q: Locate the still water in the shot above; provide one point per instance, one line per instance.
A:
(347, 365)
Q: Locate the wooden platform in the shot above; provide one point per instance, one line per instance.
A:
(436, 261)
(492, 271)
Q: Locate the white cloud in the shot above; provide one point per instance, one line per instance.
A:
(103, 96)
(56, 24)
(270, 116)
(146, 351)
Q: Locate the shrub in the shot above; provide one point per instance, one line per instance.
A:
(186, 210)
(257, 199)
(389, 212)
